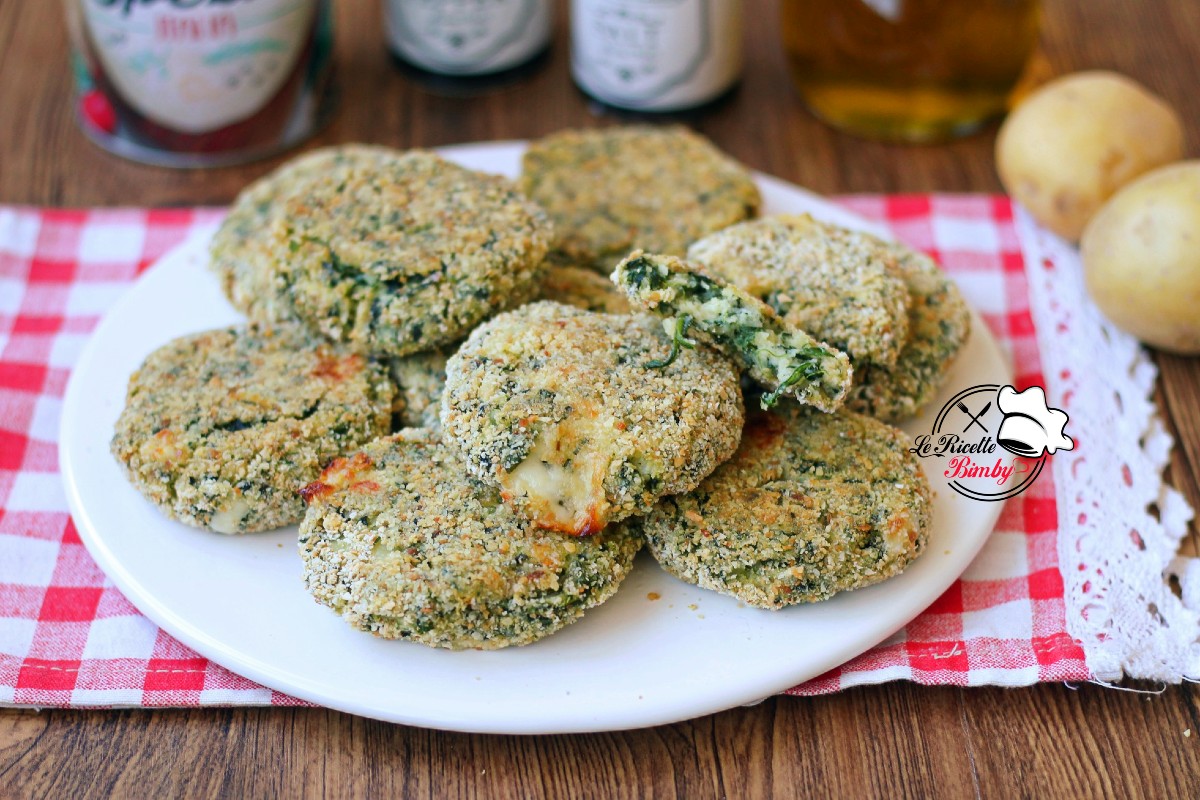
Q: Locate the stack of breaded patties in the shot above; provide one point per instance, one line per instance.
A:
(544, 423)
(890, 309)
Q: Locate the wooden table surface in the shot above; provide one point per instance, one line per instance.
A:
(1047, 740)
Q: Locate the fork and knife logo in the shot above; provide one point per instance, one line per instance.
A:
(994, 439)
(974, 417)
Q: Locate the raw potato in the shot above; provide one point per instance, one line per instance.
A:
(1065, 150)
(1141, 258)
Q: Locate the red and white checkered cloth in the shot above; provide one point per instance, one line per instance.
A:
(69, 638)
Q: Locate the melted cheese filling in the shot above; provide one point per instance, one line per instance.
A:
(562, 478)
(229, 519)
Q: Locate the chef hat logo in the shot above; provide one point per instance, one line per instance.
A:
(1030, 427)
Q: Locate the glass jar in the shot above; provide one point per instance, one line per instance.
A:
(656, 55)
(200, 83)
(910, 70)
(468, 38)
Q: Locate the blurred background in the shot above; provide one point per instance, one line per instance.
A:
(763, 122)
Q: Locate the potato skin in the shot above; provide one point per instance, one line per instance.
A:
(1072, 143)
(1141, 258)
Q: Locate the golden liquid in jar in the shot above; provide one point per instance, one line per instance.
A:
(910, 70)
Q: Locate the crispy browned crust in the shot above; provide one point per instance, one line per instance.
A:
(612, 190)
(812, 504)
(222, 428)
(402, 543)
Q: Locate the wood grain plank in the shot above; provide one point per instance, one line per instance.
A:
(1093, 742)
(1178, 397)
(1046, 741)
(862, 744)
(891, 740)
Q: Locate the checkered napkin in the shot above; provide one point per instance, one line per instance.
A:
(69, 638)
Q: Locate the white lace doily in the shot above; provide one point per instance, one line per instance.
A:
(1120, 524)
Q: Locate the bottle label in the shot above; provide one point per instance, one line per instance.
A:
(467, 37)
(656, 54)
(197, 65)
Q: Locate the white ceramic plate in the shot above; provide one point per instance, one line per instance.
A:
(630, 663)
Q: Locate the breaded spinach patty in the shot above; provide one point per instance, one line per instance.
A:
(812, 504)
(419, 380)
(939, 326)
(839, 285)
(612, 190)
(421, 377)
(583, 288)
(557, 407)
(401, 543)
(221, 429)
(406, 255)
(783, 359)
(240, 249)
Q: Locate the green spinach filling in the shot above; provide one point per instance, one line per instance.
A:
(738, 331)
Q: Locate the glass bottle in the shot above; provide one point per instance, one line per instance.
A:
(912, 70)
(465, 44)
(656, 55)
(187, 83)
